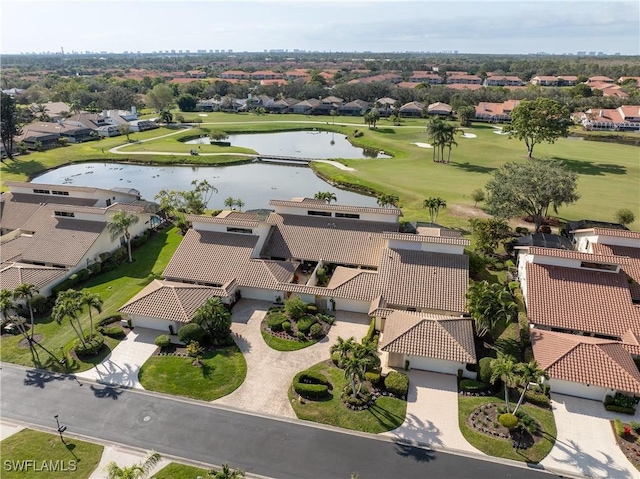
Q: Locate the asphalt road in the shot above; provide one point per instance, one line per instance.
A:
(211, 435)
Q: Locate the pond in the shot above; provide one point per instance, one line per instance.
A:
(254, 183)
(306, 144)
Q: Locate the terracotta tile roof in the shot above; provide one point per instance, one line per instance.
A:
(585, 360)
(464, 86)
(617, 233)
(361, 286)
(453, 240)
(407, 84)
(17, 273)
(334, 240)
(631, 268)
(439, 337)
(563, 253)
(421, 279)
(222, 221)
(216, 258)
(580, 299)
(172, 301)
(321, 205)
(17, 208)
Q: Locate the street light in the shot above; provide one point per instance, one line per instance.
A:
(61, 429)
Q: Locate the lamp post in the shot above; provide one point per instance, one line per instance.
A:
(61, 429)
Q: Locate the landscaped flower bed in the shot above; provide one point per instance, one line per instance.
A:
(486, 420)
(306, 327)
(628, 439)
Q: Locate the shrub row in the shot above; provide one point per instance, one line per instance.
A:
(113, 332)
(620, 409)
(371, 332)
(114, 318)
(537, 399)
(275, 321)
(373, 377)
(311, 385)
(470, 385)
(140, 240)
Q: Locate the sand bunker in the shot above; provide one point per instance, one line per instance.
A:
(500, 132)
(469, 135)
(423, 145)
(202, 114)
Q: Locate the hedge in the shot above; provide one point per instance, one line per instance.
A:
(371, 332)
(275, 321)
(286, 325)
(316, 331)
(191, 332)
(113, 332)
(620, 409)
(91, 347)
(305, 323)
(485, 370)
(311, 385)
(162, 341)
(110, 319)
(373, 377)
(397, 383)
(537, 399)
(470, 385)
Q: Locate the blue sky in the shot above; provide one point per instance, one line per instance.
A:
(481, 26)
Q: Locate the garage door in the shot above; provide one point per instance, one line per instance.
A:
(352, 305)
(435, 365)
(596, 393)
(152, 323)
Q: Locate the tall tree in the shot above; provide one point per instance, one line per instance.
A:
(230, 202)
(139, 470)
(215, 319)
(434, 204)
(68, 305)
(119, 224)
(488, 232)
(326, 196)
(190, 201)
(385, 201)
(504, 368)
(450, 133)
(239, 203)
(227, 473)
(466, 114)
(490, 305)
(7, 303)
(528, 373)
(91, 301)
(9, 123)
(165, 116)
(537, 121)
(25, 292)
(160, 97)
(125, 129)
(438, 136)
(531, 188)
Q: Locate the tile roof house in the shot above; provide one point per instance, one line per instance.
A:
(623, 118)
(584, 310)
(412, 109)
(373, 269)
(48, 232)
(55, 110)
(495, 112)
(436, 343)
(440, 109)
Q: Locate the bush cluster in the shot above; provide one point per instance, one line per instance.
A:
(316, 331)
(311, 385)
(140, 240)
(114, 318)
(537, 399)
(373, 377)
(191, 332)
(286, 326)
(397, 383)
(485, 370)
(112, 332)
(305, 323)
(90, 348)
(275, 321)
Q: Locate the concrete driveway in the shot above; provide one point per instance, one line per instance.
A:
(432, 413)
(270, 372)
(585, 442)
(121, 367)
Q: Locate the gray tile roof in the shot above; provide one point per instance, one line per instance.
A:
(452, 240)
(170, 300)
(232, 221)
(216, 258)
(86, 189)
(15, 274)
(17, 208)
(323, 206)
(422, 279)
(439, 337)
(334, 240)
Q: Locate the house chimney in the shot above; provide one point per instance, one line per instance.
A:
(105, 114)
(601, 113)
(134, 110)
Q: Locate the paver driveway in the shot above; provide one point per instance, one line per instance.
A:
(585, 443)
(121, 367)
(270, 372)
(432, 413)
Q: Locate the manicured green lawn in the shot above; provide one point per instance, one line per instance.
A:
(606, 170)
(180, 471)
(280, 344)
(387, 413)
(115, 288)
(223, 372)
(77, 459)
(503, 447)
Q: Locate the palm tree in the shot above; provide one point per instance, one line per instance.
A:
(528, 373)
(135, 471)
(434, 204)
(450, 132)
(230, 202)
(6, 303)
(327, 196)
(353, 371)
(343, 347)
(119, 224)
(68, 305)
(92, 301)
(385, 201)
(26, 291)
(42, 109)
(436, 132)
(227, 473)
(239, 203)
(504, 368)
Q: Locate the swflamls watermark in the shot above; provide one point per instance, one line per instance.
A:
(25, 465)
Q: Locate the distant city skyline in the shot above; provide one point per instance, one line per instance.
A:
(489, 27)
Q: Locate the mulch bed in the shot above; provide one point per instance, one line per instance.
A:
(629, 447)
(484, 420)
(294, 330)
(24, 343)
